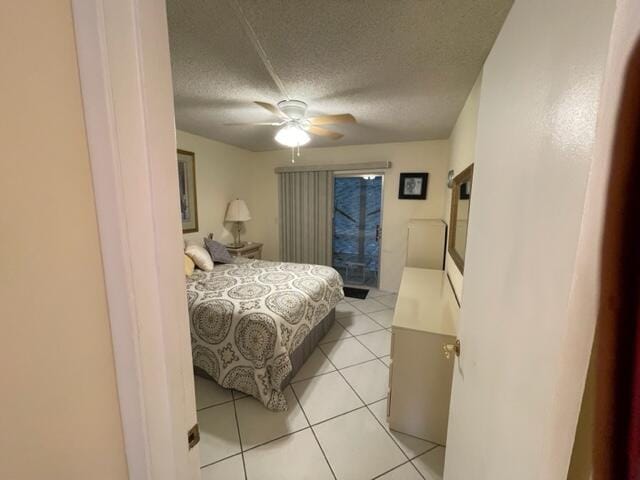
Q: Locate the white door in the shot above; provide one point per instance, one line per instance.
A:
(517, 384)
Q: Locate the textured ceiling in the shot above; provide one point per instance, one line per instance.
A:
(403, 68)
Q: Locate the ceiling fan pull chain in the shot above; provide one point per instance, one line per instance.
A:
(298, 150)
(293, 159)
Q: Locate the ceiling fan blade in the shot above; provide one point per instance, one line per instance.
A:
(271, 124)
(323, 132)
(271, 108)
(332, 119)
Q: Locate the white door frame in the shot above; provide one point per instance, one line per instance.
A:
(125, 74)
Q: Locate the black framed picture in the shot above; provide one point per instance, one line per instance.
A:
(413, 186)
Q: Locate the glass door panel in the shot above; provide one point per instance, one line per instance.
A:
(357, 228)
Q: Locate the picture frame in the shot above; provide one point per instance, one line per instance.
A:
(413, 186)
(187, 191)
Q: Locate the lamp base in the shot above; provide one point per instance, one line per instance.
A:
(238, 245)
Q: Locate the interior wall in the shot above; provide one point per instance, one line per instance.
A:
(223, 173)
(427, 156)
(59, 401)
(534, 150)
(463, 146)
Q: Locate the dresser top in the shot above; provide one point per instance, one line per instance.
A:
(426, 302)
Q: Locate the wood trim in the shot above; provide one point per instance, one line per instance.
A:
(195, 189)
(336, 167)
(462, 177)
(125, 78)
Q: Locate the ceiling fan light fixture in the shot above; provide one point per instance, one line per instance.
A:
(292, 136)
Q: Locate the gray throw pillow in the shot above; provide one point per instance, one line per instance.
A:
(218, 252)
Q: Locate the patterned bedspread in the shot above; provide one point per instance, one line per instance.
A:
(247, 317)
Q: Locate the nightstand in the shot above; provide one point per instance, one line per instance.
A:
(250, 250)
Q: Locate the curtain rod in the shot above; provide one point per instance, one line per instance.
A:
(335, 167)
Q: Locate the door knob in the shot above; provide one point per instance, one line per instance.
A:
(450, 348)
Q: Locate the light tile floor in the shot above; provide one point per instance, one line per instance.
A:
(335, 427)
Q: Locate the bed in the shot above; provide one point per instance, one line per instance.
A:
(254, 322)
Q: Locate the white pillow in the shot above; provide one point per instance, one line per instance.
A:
(200, 257)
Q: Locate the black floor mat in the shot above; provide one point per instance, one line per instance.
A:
(355, 292)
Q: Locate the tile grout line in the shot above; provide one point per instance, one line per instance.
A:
(394, 468)
(368, 349)
(235, 413)
(414, 458)
(353, 335)
(332, 371)
(373, 415)
(337, 416)
(380, 423)
(365, 405)
(293, 382)
(409, 459)
(220, 460)
(198, 410)
(243, 450)
(375, 355)
(297, 431)
(276, 438)
(314, 434)
(310, 427)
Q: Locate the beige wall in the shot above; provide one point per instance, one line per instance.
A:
(429, 156)
(463, 145)
(60, 416)
(222, 174)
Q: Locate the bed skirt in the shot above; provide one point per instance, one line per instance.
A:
(301, 353)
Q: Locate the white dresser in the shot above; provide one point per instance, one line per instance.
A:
(420, 376)
(426, 241)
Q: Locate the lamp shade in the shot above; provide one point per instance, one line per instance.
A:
(237, 211)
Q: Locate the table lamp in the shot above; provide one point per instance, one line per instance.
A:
(237, 212)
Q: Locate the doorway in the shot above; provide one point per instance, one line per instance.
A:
(357, 227)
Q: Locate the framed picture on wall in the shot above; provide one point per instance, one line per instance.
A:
(413, 186)
(187, 184)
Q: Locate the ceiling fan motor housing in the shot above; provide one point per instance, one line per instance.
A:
(294, 109)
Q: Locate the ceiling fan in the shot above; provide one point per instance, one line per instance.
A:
(296, 126)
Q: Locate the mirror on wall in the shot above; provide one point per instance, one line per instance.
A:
(459, 221)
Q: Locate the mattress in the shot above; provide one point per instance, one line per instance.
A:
(248, 319)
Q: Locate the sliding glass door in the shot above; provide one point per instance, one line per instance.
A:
(357, 228)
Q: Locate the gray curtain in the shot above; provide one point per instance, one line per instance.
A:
(306, 204)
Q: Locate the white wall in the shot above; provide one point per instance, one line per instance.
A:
(463, 146)
(536, 129)
(223, 172)
(60, 413)
(429, 156)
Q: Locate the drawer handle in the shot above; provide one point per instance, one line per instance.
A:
(450, 348)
